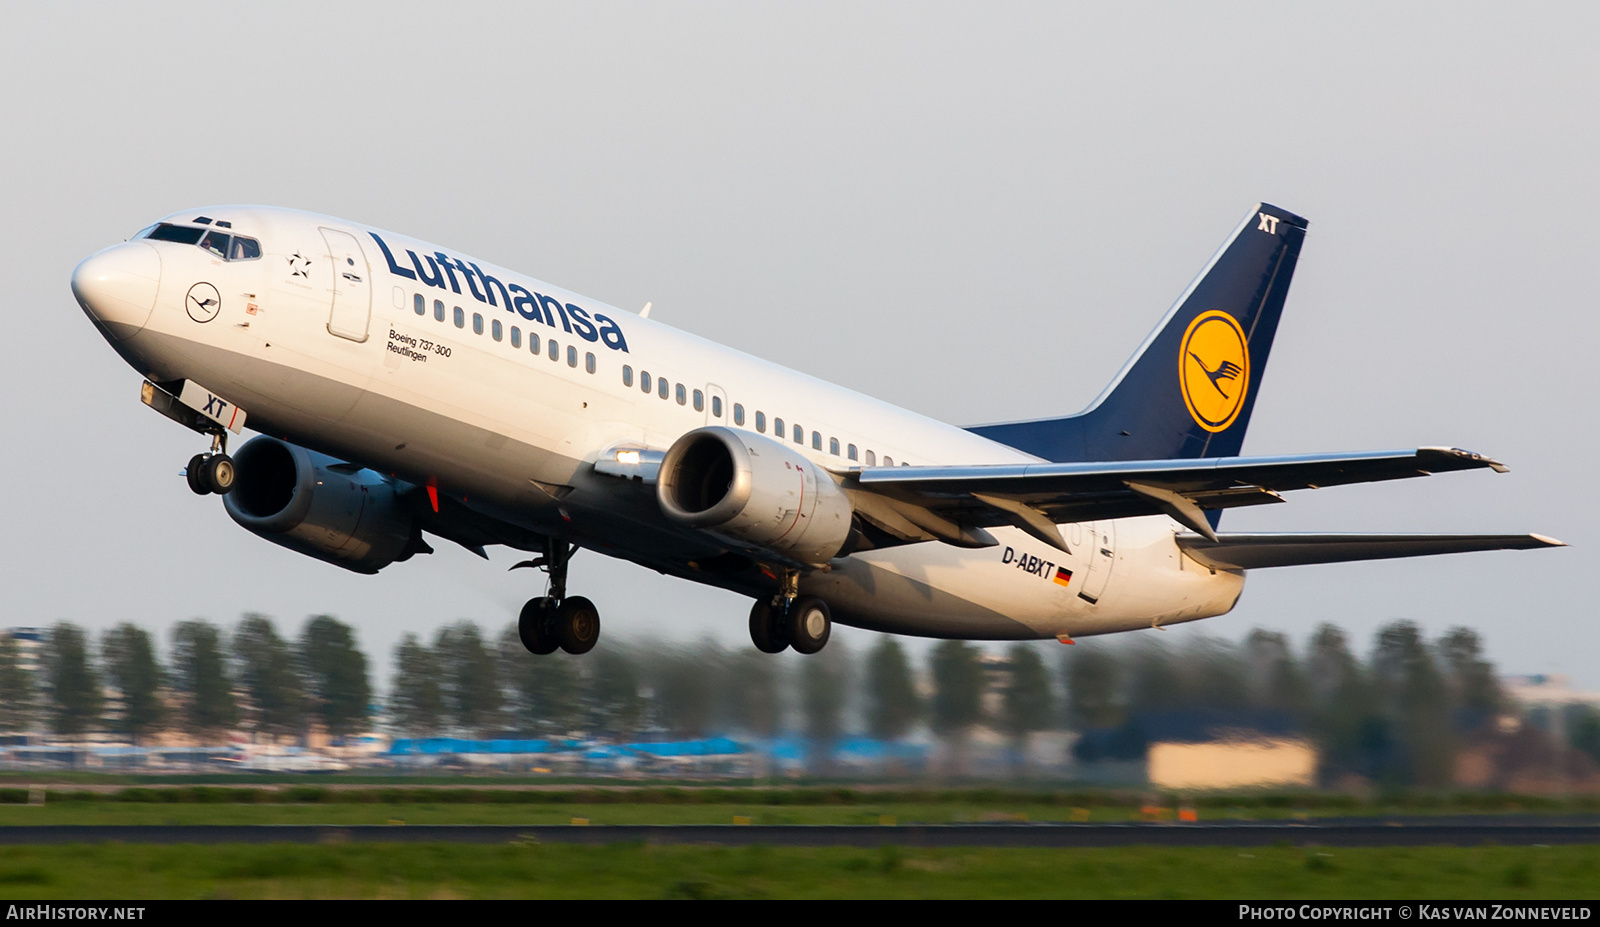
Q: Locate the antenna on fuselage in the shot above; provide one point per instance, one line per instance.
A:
(645, 312)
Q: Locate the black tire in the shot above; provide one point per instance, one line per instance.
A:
(766, 628)
(533, 626)
(220, 473)
(196, 475)
(810, 624)
(577, 625)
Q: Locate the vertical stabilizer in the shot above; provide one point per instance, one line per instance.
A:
(1189, 389)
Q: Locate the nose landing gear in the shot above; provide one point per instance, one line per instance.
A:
(213, 472)
(557, 620)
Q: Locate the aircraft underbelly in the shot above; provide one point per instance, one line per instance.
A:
(1022, 589)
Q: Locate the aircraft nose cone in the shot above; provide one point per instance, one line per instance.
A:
(117, 287)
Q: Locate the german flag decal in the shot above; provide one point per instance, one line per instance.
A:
(1063, 576)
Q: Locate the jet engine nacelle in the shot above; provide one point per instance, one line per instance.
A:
(319, 506)
(755, 491)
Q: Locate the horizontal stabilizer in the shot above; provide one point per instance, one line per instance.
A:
(1254, 551)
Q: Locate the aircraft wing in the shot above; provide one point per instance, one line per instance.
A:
(1253, 551)
(955, 504)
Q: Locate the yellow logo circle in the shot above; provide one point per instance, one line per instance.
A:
(1214, 369)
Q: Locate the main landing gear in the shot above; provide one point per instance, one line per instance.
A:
(790, 620)
(571, 623)
(213, 472)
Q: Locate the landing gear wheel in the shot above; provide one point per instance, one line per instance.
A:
(810, 624)
(533, 626)
(767, 629)
(218, 473)
(195, 474)
(577, 625)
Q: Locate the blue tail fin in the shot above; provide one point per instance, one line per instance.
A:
(1189, 389)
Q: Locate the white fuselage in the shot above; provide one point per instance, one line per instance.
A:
(332, 338)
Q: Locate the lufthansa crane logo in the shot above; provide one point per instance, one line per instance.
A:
(1214, 369)
(203, 302)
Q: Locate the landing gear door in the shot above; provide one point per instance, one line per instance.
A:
(716, 405)
(1101, 551)
(352, 286)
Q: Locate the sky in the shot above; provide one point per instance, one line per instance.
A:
(976, 211)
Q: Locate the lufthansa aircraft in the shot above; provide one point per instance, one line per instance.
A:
(402, 390)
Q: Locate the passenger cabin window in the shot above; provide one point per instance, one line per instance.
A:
(852, 452)
(816, 442)
(872, 459)
(572, 356)
(738, 412)
(460, 316)
(533, 343)
(888, 461)
(438, 310)
(497, 331)
(516, 337)
(627, 375)
(664, 388)
(799, 435)
(420, 303)
(644, 381)
(699, 401)
(833, 446)
(555, 350)
(761, 421)
(477, 323)
(588, 361)
(716, 406)
(777, 428)
(681, 396)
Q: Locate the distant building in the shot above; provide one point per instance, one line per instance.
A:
(1540, 690)
(30, 646)
(1233, 764)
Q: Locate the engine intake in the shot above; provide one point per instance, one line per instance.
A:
(319, 506)
(756, 492)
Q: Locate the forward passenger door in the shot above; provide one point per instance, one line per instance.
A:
(351, 312)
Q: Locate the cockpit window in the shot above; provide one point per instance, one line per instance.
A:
(225, 246)
(216, 243)
(182, 234)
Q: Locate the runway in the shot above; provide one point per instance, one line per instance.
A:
(1333, 832)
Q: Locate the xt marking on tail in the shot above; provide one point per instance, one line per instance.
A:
(1269, 224)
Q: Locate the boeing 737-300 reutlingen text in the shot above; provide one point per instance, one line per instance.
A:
(401, 390)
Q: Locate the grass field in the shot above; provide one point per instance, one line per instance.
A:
(491, 801)
(112, 871)
(119, 871)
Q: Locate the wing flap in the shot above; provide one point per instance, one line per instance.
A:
(988, 496)
(1255, 551)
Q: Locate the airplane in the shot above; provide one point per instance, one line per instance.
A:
(402, 390)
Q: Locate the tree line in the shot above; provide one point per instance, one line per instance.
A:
(252, 680)
(1398, 715)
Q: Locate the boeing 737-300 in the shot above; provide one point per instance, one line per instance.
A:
(402, 391)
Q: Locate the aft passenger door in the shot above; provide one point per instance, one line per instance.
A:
(1101, 551)
(352, 286)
